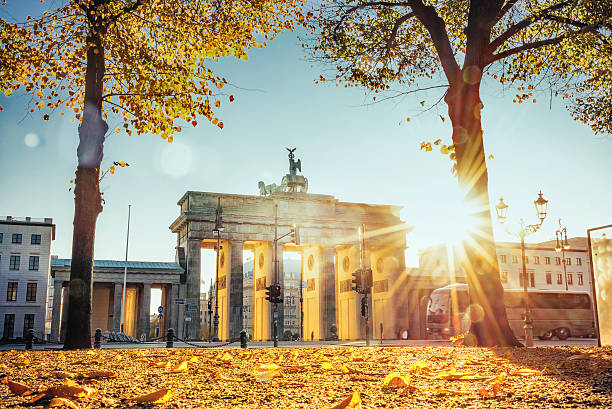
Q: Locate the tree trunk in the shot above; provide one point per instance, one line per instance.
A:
(487, 312)
(87, 198)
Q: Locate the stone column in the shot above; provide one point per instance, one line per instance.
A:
(57, 311)
(144, 319)
(117, 298)
(173, 308)
(192, 297)
(235, 290)
(281, 306)
(328, 281)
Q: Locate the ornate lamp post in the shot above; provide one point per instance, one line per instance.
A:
(217, 230)
(541, 205)
(562, 245)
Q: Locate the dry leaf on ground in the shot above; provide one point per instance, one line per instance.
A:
(347, 369)
(17, 388)
(60, 402)
(525, 372)
(69, 390)
(395, 380)
(160, 396)
(353, 401)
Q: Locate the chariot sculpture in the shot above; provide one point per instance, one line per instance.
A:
(291, 182)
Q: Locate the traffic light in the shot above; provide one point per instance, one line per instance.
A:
(276, 293)
(209, 305)
(269, 296)
(295, 235)
(357, 281)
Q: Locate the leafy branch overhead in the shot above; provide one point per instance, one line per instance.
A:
(563, 47)
(155, 78)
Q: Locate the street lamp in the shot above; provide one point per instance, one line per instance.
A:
(217, 230)
(541, 205)
(562, 245)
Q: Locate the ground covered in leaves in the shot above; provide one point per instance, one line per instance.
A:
(334, 377)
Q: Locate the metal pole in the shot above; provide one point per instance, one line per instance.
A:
(528, 323)
(216, 318)
(127, 240)
(302, 300)
(275, 326)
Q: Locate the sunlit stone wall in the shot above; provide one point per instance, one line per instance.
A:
(602, 270)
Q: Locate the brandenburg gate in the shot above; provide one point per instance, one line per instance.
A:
(329, 246)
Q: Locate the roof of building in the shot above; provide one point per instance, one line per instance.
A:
(145, 265)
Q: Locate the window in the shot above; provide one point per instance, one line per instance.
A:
(28, 323)
(526, 259)
(502, 258)
(531, 280)
(504, 276)
(35, 239)
(14, 263)
(34, 263)
(558, 261)
(514, 259)
(1, 237)
(570, 279)
(580, 279)
(9, 325)
(31, 292)
(549, 278)
(546, 260)
(578, 259)
(16, 238)
(568, 261)
(575, 301)
(11, 291)
(559, 278)
(536, 259)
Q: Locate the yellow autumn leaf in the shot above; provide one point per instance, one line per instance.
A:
(226, 357)
(112, 170)
(347, 369)
(61, 402)
(326, 366)
(194, 359)
(353, 401)
(525, 372)
(8, 92)
(41, 104)
(395, 380)
(182, 367)
(17, 388)
(160, 396)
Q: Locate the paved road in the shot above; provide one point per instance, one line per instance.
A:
(580, 342)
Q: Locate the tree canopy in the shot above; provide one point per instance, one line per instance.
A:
(155, 52)
(558, 45)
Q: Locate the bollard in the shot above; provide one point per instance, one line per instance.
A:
(243, 339)
(170, 338)
(98, 338)
(29, 338)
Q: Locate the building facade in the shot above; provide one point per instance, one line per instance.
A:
(107, 296)
(25, 254)
(547, 268)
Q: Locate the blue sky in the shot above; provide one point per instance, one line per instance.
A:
(356, 153)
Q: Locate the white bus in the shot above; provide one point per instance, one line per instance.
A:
(554, 313)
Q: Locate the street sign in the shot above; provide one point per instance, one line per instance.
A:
(179, 301)
(187, 319)
(160, 309)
